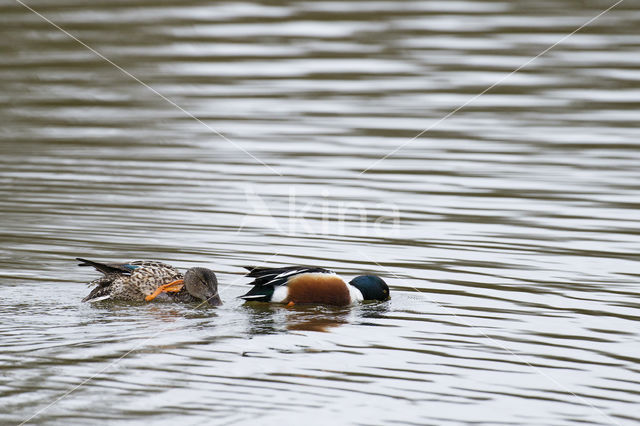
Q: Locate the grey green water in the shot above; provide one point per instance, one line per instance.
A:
(509, 233)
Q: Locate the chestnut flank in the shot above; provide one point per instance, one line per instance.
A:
(328, 289)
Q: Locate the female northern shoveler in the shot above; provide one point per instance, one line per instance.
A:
(142, 280)
(301, 284)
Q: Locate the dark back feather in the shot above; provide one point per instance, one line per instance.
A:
(107, 268)
(279, 276)
(266, 279)
(121, 268)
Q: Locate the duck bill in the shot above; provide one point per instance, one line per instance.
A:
(214, 300)
(171, 287)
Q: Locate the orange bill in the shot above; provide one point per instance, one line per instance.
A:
(173, 286)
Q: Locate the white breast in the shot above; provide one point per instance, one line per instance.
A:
(356, 295)
(280, 294)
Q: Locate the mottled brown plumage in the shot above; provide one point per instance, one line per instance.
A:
(134, 281)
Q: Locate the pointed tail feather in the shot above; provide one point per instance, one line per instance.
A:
(105, 268)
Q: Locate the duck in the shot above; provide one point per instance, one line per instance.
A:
(145, 280)
(292, 285)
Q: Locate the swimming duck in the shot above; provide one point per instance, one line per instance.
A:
(300, 284)
(144, 280)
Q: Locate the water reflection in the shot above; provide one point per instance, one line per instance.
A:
(270, 318)
(517, 216)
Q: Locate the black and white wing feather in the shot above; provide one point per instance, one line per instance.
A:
(279, 276)
(265, 280)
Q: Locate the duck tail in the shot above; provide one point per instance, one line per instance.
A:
(97, 294)
(105, 268)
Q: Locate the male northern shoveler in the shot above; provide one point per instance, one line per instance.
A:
(142, 280)
(301, 284)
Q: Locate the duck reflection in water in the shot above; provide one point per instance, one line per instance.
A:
(273, 319)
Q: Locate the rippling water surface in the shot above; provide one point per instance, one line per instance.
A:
(508, 232)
